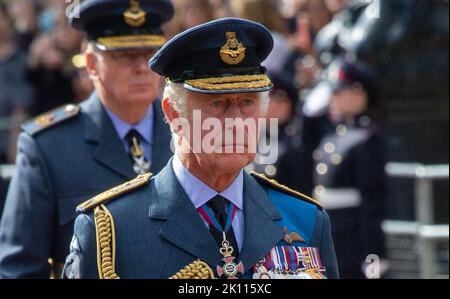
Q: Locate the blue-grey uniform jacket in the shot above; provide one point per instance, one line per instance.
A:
(64, 158)
(150, 229)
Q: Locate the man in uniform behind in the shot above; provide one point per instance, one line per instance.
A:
(202, 212)
(73, 153)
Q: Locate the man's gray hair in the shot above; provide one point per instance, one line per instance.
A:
(177, 96)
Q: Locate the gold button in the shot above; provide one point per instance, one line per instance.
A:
(329, 147)
(270, 170)
(341, 130)
(319, 190)
(336, 159)
(44, 120)
(322, 168)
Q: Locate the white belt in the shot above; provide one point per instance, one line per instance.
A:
(333, 199)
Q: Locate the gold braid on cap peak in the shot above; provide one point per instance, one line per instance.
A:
(195, 270)
(231, 82)
(106, 243)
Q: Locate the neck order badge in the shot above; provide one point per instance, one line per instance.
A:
(230, 269)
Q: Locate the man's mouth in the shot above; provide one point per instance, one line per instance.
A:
(234, 148)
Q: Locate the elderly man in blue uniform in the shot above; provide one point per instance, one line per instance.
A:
(73, 153)
(202, 216)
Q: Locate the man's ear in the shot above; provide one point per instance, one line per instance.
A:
(91, 65)
(171, 114)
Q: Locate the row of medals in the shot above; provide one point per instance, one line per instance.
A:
(263, 273)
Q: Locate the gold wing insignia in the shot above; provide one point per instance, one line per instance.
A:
(233, 52)
(135, 16)
(291, 237)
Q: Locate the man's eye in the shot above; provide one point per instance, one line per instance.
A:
(248, 102)
(217, 103)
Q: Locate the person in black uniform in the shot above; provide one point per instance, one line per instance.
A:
(293, 164)
(349, 164)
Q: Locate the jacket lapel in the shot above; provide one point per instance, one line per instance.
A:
(184, 226)
(262, 233)
(161, 139)
(99, 130)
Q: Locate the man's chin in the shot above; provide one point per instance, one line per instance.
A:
(233, 162)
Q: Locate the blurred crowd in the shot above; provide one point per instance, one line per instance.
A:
(37, 69)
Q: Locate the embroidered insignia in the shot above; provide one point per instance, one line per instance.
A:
(134, 16)
(291, 237)
(50, 119)
(45, 120)
(233, 52)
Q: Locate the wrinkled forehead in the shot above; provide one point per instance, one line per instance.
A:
(230, 96)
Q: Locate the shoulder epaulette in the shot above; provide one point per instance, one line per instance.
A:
(282, 188)
(114, 193)
(50, 119)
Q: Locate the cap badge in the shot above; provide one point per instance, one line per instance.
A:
(134, 16)
(233, 52)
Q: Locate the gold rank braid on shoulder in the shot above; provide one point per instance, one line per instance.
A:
(114, 193)
(106, 243)
(283, 188)
(195, 270)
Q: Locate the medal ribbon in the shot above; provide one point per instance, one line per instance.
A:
(208, 215)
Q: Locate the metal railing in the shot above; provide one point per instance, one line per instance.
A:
(427, 233)
(7, 171)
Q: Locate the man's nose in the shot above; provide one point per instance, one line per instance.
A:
(233, 111)
(141, 63)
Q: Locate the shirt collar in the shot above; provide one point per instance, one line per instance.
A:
(199, 193)
(144, 127)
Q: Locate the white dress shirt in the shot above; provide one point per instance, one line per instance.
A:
(199, 193)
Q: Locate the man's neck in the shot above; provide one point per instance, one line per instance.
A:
(131, 114)
(218, 182)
